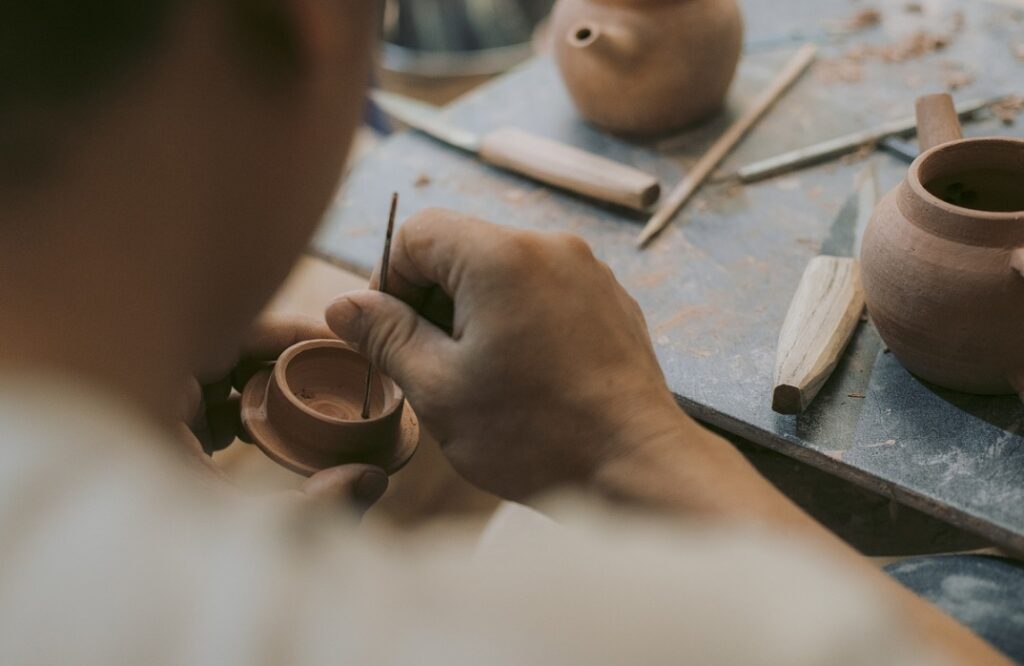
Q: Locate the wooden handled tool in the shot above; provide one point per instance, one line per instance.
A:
(569, 168)
(840, 145)
(826, 307)
(821, 320)
(536, 157)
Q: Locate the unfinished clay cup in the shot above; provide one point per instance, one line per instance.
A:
(306, 412)
(647, 67)
(942, 259)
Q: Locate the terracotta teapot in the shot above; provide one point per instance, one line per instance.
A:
(943, 255)
(647, 66)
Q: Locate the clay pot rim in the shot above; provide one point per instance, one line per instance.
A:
(914, 180)
(277, 447)
(281, 379)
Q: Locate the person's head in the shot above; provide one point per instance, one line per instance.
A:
(170, 158)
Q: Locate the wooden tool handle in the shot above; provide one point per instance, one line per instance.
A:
(937, 121)
(569, 168)
(821, 320)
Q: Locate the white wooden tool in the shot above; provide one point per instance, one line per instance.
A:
(821, 320)
(826, 307)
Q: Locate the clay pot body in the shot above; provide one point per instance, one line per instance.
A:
(306, 412)
(942, 281)
(647, 66)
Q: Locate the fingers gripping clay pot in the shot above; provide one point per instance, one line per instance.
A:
(942, 259)
(647, 66)
(306, 412)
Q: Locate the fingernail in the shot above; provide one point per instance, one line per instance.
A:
(343, 316)
(371, 486)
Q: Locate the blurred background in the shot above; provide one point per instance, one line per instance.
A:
(438, 49)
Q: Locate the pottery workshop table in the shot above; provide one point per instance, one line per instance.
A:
(716, 285)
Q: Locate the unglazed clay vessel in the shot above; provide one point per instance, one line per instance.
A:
(306, 412)
(942, 257)
(647, 66)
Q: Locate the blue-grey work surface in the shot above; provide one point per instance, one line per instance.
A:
(716, 285)
(983, 593)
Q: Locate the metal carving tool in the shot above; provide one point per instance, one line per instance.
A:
(381, 287)
(841, 145)
(535, 157)
(899, 148)
(826, 307)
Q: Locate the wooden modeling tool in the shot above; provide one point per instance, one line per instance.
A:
(725, 144)
(826, 307)
(382, 287)
(535, 157)
(841, 145)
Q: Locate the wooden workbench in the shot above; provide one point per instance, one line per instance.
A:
(715, 287)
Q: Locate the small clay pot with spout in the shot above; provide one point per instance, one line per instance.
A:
(647, 66)
(943, 255)
(305, 413)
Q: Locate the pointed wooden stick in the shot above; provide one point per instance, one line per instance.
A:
(721, 148)
(382, 287)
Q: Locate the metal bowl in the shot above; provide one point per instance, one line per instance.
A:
(450, 38)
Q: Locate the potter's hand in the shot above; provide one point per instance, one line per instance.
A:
(212, 405)
(545, 371)
(213, 416)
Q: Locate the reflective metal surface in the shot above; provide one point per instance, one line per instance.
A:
(459, 37)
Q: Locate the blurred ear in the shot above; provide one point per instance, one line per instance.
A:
(267, 35)
(281, 39)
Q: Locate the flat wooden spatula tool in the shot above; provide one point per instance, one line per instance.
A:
(826, 307)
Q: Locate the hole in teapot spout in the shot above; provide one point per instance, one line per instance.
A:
(583, 35)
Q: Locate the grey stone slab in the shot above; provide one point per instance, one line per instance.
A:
(716, 285)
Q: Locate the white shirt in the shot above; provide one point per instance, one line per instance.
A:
(112, 552)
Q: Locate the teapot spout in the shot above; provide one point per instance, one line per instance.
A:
(618, 44)
(937, 121)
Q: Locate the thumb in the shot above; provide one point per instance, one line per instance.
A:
(405, 346)
(361, 485)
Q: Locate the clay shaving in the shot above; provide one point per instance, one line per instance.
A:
(1008, 109)
(916, 45)
(849, 68)
(862, 20)
(954, 76)
(840, 70)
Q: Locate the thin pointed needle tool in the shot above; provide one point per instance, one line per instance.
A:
(382, 287)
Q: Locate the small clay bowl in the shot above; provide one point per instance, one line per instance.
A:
(306, 412)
